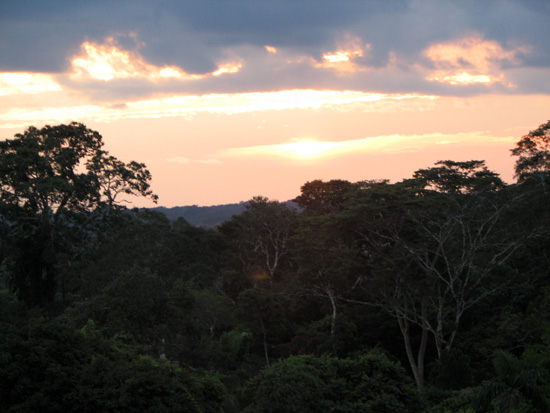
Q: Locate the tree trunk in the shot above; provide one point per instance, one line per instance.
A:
(417, 366)
(332, 299)
(264, 333)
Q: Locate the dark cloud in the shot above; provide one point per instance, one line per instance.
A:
(41, 36)
(282, 23)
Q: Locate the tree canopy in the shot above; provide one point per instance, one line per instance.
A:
(55, 182)
(533, 152)
(343, 304)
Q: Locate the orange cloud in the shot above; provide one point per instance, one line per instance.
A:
(470, 60)
(279, 100)
(342, 60)
(387, 144)
(295, 149)
(189, 105)
(109, 62)
(26, 83)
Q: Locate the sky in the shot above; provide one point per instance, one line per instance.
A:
(226, 100)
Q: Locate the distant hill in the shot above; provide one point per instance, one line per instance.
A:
(203, 216)
(207, 216)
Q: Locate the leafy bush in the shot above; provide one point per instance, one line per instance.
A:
(370, 383)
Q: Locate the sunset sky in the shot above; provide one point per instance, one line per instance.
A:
(225, 100)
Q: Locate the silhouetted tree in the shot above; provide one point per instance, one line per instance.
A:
(54, 184)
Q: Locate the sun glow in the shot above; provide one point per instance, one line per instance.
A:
(340, 56)
(471, 60)
(464, 78)
(386, 144)
(306, 149)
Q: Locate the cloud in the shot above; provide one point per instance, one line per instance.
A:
(281, 100)
(186, 161)
(471, 60)
(108, 61)
(213, 47)
(344, 59)
(179, 159)
(107, 71)
(17, 117)
(26, 83)
(188, 106)
(376, 145)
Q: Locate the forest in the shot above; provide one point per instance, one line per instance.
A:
(427, 295)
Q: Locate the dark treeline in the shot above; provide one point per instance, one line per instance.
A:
(427, 295)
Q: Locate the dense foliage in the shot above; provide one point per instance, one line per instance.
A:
(431, 294)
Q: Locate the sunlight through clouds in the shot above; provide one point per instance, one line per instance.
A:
(22, 117)
(269, 95)
(464, 78)
(387, 144)
(305, 149)
(190, 105)
(259, 101)
(109, 62)
(342, 60)
(471, 60)
(26, 83)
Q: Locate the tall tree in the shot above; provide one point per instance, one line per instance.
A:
(262, 310)
(260, 237)
(324, 197)
(435, 245)
(533, 151)
(327, 264)
(378, 219)
(455, 178)
(54, 182)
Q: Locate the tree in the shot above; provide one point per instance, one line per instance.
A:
(434, 247)
(369, 383)
(378, 219)
(194, 253)
(263, 311)
(515, 387)
(260, 236)
(533, 151)
(324, 197)
(456, 178)
(50, 367)
(327, 265)
(139, 304)
(463, 244)
(55, 182)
